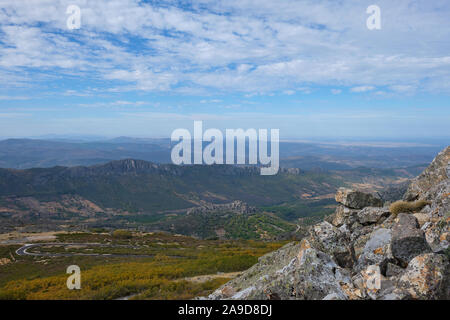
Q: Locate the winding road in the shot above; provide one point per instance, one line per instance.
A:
(23, 251)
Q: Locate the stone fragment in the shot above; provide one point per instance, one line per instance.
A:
(408, 240)
(356, 199)
(371, 215)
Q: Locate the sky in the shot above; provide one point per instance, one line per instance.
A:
(312, 69)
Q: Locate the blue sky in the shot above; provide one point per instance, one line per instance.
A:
(145, 68)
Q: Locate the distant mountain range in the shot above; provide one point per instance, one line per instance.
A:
(34, 153)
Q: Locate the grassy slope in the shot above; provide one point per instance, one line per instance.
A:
(109, 278)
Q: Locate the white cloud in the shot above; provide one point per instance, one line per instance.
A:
(12, 115)
(236, 45)
(403, 88)
(118, 103)
(14, 98)
(336, 91)
(362, 89)
(211, 101)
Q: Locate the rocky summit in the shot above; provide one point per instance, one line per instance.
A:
(363, 251)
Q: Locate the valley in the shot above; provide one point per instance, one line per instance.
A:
(149, 197)
(145, 230)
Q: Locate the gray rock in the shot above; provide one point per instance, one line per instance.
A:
(438, 234)
(392, 270)
(374, 285)
(393, 248)
(431, 176)
(378, 239)
(344, 215)
(318, 276)
(408, 240)
(370, 215)
(427, 277)
(356, 199)
(377, 250)
(304, 273)
(334, 242)
(440, 201)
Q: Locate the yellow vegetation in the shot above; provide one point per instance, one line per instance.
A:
(161, 277)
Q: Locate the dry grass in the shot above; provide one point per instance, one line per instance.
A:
(407, 207)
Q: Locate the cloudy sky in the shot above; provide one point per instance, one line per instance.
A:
(144, 68)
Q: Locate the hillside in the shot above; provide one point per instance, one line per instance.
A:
(364, 250)
(229, 221)
(139, 194)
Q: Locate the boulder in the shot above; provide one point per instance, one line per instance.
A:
(427, 277)
(408, 240)
(334, 242)
(344, 215)
(370, 215)
(356, 199)
(375, 285)
(317, 277)
(376, 250)
(305, 273)
(359, 235)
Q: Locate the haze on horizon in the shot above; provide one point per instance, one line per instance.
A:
(144, 68)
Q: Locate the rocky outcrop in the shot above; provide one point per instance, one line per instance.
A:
(362, 251)
(438, 171)
(237, 207)
(356, 199)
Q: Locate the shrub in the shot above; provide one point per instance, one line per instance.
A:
(407, 207)
(122, 234)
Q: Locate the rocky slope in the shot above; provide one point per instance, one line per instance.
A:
(363, 251)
